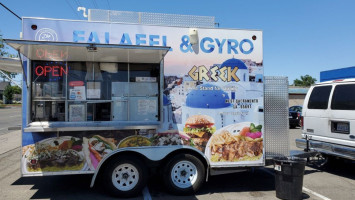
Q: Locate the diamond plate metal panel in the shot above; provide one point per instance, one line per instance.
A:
(276, 116)
(124, 17)
(98, 15)
(151, 18)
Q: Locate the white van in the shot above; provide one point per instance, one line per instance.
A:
(329, 119)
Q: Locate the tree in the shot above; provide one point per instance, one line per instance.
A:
(16, 89)
(9, 94)
(2, 47)
(305, 81)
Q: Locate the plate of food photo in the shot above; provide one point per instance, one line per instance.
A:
(238, 143)
(134, 141)
(55, 155)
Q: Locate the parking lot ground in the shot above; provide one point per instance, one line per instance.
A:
(335, 180)
(9, 117)
(255, 184)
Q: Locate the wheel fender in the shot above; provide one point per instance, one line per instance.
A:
(152, 153)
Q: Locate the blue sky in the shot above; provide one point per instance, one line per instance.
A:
(300, 36)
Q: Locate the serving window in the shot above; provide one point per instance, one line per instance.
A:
(86, 82)
(94, 91)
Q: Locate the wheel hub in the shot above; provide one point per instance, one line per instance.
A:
(183, 173)
(125, 176)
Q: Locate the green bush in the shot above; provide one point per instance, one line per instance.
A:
(8, 94)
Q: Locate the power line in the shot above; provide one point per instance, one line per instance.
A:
(10, 11)
(77, 3)
(73, 9)
(95, 4)
(108, 3)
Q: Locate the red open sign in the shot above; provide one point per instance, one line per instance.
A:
(50, 54)
(53, 70)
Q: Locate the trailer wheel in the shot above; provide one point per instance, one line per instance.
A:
(125, 177)
(184, 174)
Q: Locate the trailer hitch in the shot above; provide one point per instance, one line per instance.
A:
(314, 157)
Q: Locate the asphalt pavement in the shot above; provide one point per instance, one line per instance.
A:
(10, 117)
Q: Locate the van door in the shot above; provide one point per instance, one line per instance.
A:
(342, 112)
(316, 112)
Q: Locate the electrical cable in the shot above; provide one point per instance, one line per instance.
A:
(10, 11)
(73, 9)
(95, 4)
(108, 3)
(77, 3)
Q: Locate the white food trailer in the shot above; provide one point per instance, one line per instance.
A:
(118, 99)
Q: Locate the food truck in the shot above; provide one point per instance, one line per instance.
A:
(119, 99)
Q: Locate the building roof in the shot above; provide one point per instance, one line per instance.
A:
(3, 85)
(343, 73)
(297, 90)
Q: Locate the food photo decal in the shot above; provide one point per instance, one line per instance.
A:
(232, 145)
(97, 147)
(199, 128)
(55, 154)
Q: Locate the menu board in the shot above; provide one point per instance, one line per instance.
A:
(146, 106)
(93, 90)
(77, 112)
(78, 93)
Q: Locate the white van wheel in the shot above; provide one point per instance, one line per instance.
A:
(124, 177)
(184, 174)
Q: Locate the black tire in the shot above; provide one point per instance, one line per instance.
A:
(177, 180)
(129, 183)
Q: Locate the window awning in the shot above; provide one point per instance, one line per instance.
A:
(10, 65)
(67, 51)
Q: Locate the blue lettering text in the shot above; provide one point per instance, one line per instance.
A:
(153, 41)
(141, 39)
(241, 46)
(125, 39)
(77, 36)
(211, 46)
(220, 45)
(232, 45)
(93, 38)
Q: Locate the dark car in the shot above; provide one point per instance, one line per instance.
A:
(294, 116)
